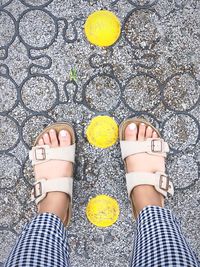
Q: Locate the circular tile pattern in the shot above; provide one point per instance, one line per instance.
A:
(181, 92)
(67, 112)
(140, 28)
(37, 28)
(36, 2)
(39, 93)
(8, 240)
(8, 95)
(180, 131)
(5, 3)
(142, 93)
(102, 93)
(7, 28)
(9, 167)
(177, 51)
(183, 170)
(142, 2)
(10, 209)
(181, 30)
(8, 132)
(33, 127)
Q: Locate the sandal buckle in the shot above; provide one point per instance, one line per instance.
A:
(40, 153)
(37, 190)
(164, 183)
(156, 145)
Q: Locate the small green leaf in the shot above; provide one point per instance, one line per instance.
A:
(73, 74)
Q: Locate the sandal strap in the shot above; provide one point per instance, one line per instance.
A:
(152, 146)
(159, 180)
(44, 153)
(43, 186)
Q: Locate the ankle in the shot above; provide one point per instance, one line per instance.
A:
(56, 203)
(146, 195)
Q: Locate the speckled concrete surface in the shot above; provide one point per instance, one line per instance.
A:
(152, 71)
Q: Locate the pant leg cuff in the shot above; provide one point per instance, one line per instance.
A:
(155, 213)
(48, 221)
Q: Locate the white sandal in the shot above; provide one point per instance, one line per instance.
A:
(41, 154)
(152, 146)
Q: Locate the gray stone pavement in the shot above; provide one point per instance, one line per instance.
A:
(152, 71)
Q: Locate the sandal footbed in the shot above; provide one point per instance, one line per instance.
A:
(137, 121)
(57, 127)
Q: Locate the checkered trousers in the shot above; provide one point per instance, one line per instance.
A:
(42, 243)
(159, 241)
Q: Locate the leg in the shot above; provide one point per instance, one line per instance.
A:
(43, 242)
(159, 240)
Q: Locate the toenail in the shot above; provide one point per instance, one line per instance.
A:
(63, 133)
(143, 124)
(46, 134)
(132, 126)
(52, 131)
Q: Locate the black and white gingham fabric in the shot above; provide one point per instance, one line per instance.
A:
(159, 242)
(42, 243)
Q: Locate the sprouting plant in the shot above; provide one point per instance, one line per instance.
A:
(73, 74)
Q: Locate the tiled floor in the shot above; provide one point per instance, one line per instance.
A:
(152, 71)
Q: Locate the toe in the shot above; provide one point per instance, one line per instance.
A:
(155, 135)
(53, 138)
(131, 132)
(149, 132)
(64, 138)
(46, 139)
(141, 131)
(41, 142)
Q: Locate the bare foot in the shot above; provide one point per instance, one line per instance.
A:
(54, 202)
(144, 195)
